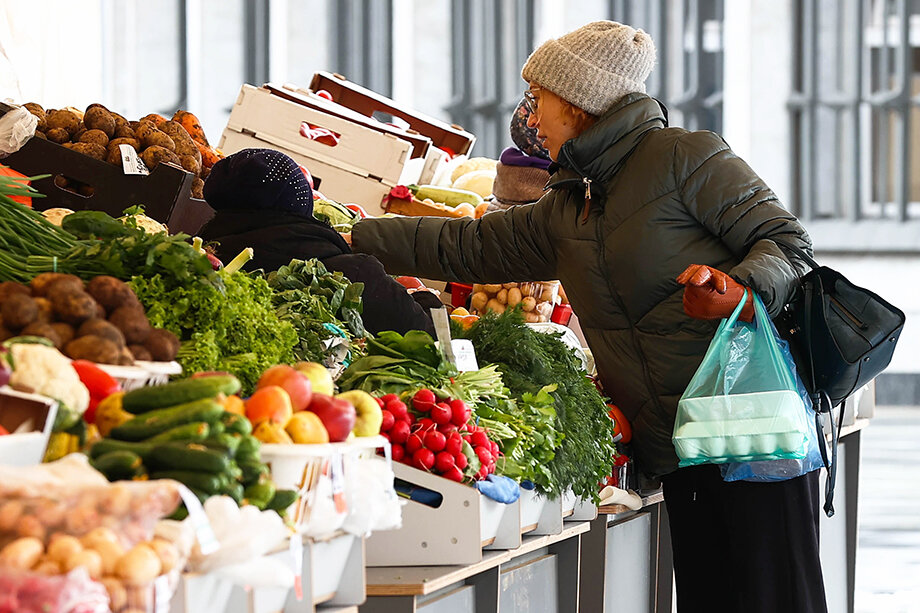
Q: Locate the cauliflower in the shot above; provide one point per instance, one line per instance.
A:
(44, 370)
(56, 216)
(147, 224)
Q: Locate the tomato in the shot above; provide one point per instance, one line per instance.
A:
(621, 424)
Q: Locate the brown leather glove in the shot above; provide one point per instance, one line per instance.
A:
(711, 294)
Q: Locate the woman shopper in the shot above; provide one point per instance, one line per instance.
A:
(635, 206)
(262, 200)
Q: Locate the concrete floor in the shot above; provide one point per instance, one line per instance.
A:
(888, 556)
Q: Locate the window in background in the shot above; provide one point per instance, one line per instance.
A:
(856, 122)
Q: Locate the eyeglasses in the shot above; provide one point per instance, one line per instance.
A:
(530, 101)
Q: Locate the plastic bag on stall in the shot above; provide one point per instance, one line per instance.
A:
(742, 404)
(781, 470)
(372, 502)
(29, 592)
(16, 127)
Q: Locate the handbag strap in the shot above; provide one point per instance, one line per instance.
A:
(797, 251)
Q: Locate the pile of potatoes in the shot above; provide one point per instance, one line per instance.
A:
(536, 299)
(101, 321)
(98, 132)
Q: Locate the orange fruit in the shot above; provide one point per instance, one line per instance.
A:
(270, 403)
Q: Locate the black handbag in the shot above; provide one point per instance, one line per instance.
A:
(841, 337)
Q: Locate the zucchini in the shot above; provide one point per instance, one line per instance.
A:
(179, 392)
(194, 431)
(229, 442)
(204, 482)
(118, 465)
(235, 423)
(282, 500)
(187, 456)
(107, 445)
(217, 428)
(154, 422)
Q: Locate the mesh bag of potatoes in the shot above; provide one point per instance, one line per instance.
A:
(536, 299)
(106, 530)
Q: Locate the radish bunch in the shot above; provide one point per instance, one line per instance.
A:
(436, 435)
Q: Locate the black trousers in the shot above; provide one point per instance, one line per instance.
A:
(744, 547)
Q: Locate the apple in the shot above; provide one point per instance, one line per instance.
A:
(318, 376)
(295, 383)
(370, 416)
(337, 414)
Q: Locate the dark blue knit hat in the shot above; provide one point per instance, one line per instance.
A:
(259, 179)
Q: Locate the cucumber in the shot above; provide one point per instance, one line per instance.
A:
(282, 500)
(154, 422)
(108, 445)
(448, 195)
(229, 442)
(235, 424)
(187, 456)
(217, 428)
(248, 449)
(235, 491)
(252, 471)
(117, 465)
(204, 482)
(259, 494)
(194, 431)
(146, 399)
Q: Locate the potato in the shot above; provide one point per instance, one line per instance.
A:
(58, 135)
(75, 138)
(66, 120)
(93, 150)
(190, 164)
(96, 326)
(97, 535)
(94, 136)
(125, 131)
(64, 331)
(140, 565)
(139, 352)
(509, 285)
(22, 554)
(529, 303)
(549, 293)
(10, 512)
(118, 596)
(88, 559)
(94, 349)
(119, 120)
(502, 296)
(492, 288)
(163, 345)
(99, 118)
(151, 156)
(157, 138)
(50, 513)
(62, 547)
(532, 317)
(109, 552)
(495, 305)
(198, 188)
(167, 552)
(45, 310)
(478, 301)
(514, 296)
(39, 112)
(47, 567)
(110, 292)
(42, 283)
(477, 287)
(113, 144)
(8, 288)
(28, 525)
(40, 134)
(18, 311)
(43, 329)
(72, 306)
(132, 322)
(184, 143)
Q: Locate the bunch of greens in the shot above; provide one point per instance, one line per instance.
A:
(312, 298)
(235, 330)
(530, 360)
(395, 363)
(335, 214)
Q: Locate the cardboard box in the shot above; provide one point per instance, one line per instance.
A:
(37, 413)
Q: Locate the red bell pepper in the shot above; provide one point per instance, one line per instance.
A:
(100, 384)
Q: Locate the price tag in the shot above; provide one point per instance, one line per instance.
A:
(442, 330)
(296, 549)
(130, 163)
(337, 475)
(464, 355)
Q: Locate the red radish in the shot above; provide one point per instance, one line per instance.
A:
(399, 432)
(423, 459)
(380, 402)
(414, 443)
(398, 408)
(446, 429)
(388, 398)
(440, 413)
(482, 453)
(453, 473)
(423, 400)
(454, 444)
(459, 412)
(493, 447)
(435, 441)
(462, 462)
(443, 462)
(398, 452)
(388, 421)
(426, 424)
(482, 473)
(479, 439)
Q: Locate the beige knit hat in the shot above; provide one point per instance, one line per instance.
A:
(594, 66)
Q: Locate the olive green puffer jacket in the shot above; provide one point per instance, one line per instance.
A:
(661, 199)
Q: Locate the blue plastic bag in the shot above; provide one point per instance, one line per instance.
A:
(742, 404)
(781, 470)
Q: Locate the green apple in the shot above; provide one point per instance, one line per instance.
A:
(319, 377)
(369, 414)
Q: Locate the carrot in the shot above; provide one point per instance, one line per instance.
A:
(192, 126)
(209, 155)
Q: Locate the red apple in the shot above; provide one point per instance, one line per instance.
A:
(295, 383)
(337, 415)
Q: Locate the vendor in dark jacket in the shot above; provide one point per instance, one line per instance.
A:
(262, 200)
